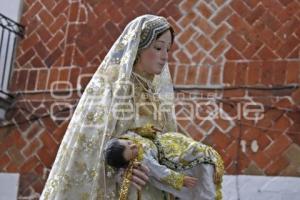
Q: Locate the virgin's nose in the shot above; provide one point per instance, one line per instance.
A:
(164, 56)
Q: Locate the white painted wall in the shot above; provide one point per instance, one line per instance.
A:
(9, 183)
(13, 10)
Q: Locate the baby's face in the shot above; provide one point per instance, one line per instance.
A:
(131, 150)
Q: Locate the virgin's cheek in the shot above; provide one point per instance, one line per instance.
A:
(151, 56)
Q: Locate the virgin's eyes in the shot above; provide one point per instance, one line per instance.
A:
(159, 48)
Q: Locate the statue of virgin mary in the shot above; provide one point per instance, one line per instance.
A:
(117, 98)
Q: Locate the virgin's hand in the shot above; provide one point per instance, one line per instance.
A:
(140, 176)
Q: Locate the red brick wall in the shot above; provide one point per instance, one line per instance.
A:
(234, 52)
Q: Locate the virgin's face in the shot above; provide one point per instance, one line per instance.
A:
(155, 56)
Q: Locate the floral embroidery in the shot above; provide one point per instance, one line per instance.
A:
(174, 179)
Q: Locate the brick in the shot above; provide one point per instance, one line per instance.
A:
(46, 157)
(243, 163)
(215, 74)
(203, 75)
(232, 149)
(41, 50)
(288, 29)
(4, 161)
(181, 74)
(222, 15)
(53, 57)
(239, 7)
(33, 131)
(48, 4)
(37, 62)
(253, 76)
(79, 59)
(288, 46)
(270, 39)
(234, 93)
(279, 72)
(293, 133)
(256, 14)
(183, 57)
(45, 17)
(241, 73)
(187, 19)
(32, 147)
(271, 21)
(32, 79)
(74, 11)
(60, 132)
(285, 103)
(261, 160)
(229, 73)
(194, 132)
(218, 51)
(198, 57)
(220, 139)
(204, 10)
(48, 123)
(15, 155)
(29, 165)
(12, 168)
(191, 47)
(238, 24)
(186, 35)
(204, 42)
(29, 42)
(277, 166)
(204, 25)
(42, 79)
(252, 48)
(232, 54)
(278, 146)
(295, 53)
(267, 54)
(18, 140)
(288, 12)
(56, 40)
(220, 33)
(23, 59)
(49, 142)
(285, 2)
(263, 141)
(188, 5)
(267, 69)
(296, 97)
(58, 24)
(60, 7)
(191, 75)
(33, 10)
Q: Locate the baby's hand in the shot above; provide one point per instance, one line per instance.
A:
(189, 181)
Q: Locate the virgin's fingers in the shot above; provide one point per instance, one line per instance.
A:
(145, 169)
(136, 186)
(140, 174)
(138, 181)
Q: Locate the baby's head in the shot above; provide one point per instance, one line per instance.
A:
(119, 152)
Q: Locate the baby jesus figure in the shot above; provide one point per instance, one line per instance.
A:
(178, 164)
